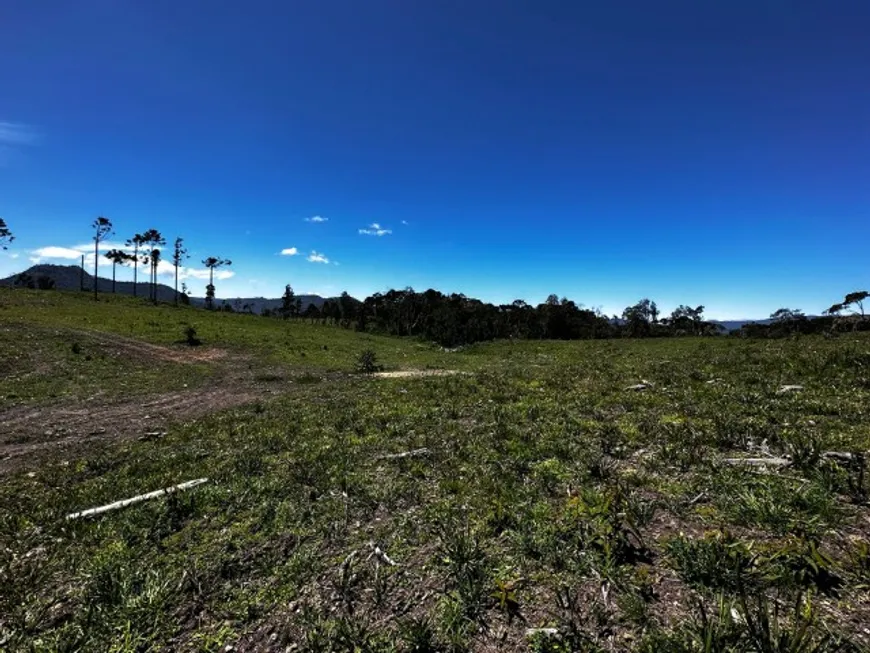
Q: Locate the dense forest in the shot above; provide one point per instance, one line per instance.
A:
(454, 320)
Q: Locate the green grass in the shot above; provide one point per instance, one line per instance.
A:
(298, 344)
(547, 496)
(41, 364)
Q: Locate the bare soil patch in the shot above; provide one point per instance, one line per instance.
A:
(30, 433)
(132, 348)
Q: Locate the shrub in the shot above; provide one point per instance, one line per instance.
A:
(190, 336)
(367, 363)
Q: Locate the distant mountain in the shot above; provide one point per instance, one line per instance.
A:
(733, 325)
(68, 277)
(259, 304)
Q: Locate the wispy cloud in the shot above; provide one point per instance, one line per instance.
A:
(289, 251)
(13, 136)
(317, 257)
(375, 229)
(404, 222)
(317, 218)
(16, 133)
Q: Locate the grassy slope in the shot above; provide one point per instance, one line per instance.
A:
(299, 344)
(550, 496)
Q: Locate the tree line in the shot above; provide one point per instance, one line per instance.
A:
(454, 320)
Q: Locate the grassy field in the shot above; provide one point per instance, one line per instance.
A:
(534, 503)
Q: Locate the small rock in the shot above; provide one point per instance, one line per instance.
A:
(785, 389)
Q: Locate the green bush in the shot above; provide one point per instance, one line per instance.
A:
(367, 363)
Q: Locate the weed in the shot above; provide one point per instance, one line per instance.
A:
(465, 561)
(770, 628)
(606, 526)
(419, 635)
(716, 562)
(802, 564)
(859, 562)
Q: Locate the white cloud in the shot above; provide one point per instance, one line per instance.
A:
(14, 255)
(317, 218)
(167, 269)
(75, 252)
(189, 273)
(404, 222)
(15, 133)
(164, 266)
(316, 257)
(290, 251)
(105, 246)
(375, 229)
(67, 253)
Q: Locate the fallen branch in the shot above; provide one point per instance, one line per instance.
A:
(137, 499)
(844, 457)
(773, 462)
(769, 474)
(542, 632)
(701, 497)
(152, 435)
(789, 388)
(404, 454)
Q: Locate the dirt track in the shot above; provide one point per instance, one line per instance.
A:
(28, 433)
(32, 434)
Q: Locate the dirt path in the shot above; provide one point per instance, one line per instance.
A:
(30, 433)
(133, 348)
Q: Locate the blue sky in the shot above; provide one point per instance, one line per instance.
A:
(712, 153)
